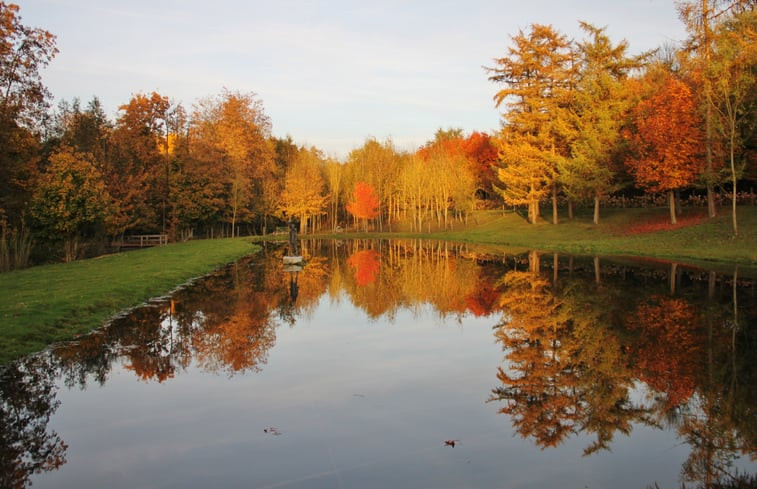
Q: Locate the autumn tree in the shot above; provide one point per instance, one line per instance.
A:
(303, 195)
(734, 68)
(364, 203)
(700, 18)
(538, 73)
(452, 186)
(335, 175)
(24, 52)
(135, 171)
(666, 141)
(232, 135)
(599, 111)
(377, 164)
(71, 200)
(481, 153)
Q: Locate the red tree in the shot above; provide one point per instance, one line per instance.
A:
(667, 141)
(364, 203)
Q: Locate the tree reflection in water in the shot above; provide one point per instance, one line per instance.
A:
(576, 351)
(27, 401)
(581, 339)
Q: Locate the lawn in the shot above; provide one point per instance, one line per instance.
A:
(638, 232)
(49, 303)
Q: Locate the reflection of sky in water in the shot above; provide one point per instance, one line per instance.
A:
(359, 402)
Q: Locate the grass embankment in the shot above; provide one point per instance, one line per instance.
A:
(638, 232)
(50, 303)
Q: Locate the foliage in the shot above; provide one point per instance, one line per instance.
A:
(364, 203)
(539, 73)
(666, 140)
(303, 188)
(70, 201)
(600, 107)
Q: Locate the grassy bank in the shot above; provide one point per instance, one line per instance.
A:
(49, 303)
(638, 232)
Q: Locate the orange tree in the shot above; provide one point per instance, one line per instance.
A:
(538, 73)
(666, 141)
(364, 203)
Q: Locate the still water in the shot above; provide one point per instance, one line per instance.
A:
(401, 364)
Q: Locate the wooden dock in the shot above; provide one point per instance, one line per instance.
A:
(141, 241)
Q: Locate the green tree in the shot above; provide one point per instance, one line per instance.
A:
(71, 200)
(600, 109)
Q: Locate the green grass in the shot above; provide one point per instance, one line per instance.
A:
(50, 303)
(704, 240)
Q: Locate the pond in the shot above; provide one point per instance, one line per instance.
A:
(401, 364)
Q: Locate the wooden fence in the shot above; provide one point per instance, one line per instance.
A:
(141, 241)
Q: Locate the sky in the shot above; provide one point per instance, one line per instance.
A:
(331, 73)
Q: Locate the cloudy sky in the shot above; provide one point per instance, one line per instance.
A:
(330, 73)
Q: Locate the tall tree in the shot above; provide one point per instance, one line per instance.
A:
(24, 52)
(600, 109)
(303, 195)
(666, 141)
(700, 18)
(538, 72)
(232, 132)
(735, 79)
(136, 166)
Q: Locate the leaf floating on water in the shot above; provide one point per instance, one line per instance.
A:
(272, 431)
(451, 443)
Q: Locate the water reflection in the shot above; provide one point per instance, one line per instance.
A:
(575, 354)
(590, 347)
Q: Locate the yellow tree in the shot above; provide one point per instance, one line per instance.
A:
(303, 195)
(735, 79)
(233, 134)
(538, 72)
(71, 200)
(599, 110)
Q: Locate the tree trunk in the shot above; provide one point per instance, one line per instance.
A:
(734, 180)
(554, 204)
(672, 200)
(570, 210)
(596, 208)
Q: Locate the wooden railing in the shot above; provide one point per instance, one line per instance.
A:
(141, 241)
